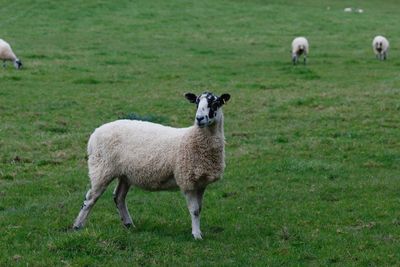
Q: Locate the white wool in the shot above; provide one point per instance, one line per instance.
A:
(380, 46)
(142, 151)
(383, 40)
(151, 155)
(300, 47)
(6, 52)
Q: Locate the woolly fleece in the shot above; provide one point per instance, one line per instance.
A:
(385, 44)
(297, 42)
(156, 157)
(6, 52)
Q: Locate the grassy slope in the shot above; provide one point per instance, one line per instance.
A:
(312, 156)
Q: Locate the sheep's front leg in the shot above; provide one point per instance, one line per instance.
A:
(194, 201)
(294, 60)
(120, 193)
(4, 63)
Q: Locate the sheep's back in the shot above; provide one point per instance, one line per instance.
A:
(299, 41)
(5, 51)
(378, 39)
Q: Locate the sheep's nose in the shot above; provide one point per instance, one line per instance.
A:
(199, 118)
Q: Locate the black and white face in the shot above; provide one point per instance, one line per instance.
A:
(208, 107)
(18, 64)
(378, 46)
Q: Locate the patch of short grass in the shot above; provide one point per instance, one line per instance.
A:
(312, 151)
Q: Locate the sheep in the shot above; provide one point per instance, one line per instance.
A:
(299, 46)
(6, 53)
(156, 157)
(380, 46)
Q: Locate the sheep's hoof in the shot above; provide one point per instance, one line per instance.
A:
(197, 236)
(129, 225)
(76, 227)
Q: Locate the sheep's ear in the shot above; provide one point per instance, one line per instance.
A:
(191, 97)
(224, 98)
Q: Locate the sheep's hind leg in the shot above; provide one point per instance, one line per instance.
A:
(194, 201)
(120, 192)
(91, 197)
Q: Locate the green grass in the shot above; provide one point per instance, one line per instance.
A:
(313, 155)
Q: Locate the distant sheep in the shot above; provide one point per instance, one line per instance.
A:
(380, 46)
(6, 53)
(299, 47)
(156, 157)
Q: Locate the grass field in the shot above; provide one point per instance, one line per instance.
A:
(313, 156)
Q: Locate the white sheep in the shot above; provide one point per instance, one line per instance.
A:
(6, 53)
(156, 157)
(380, 46)
(299, 47)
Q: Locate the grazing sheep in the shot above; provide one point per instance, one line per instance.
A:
(381, 46)
(6, 53)
(299, 47)
(156, 157)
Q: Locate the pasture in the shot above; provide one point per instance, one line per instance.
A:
(312, 153)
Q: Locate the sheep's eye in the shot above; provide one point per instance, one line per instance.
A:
(214, 105)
